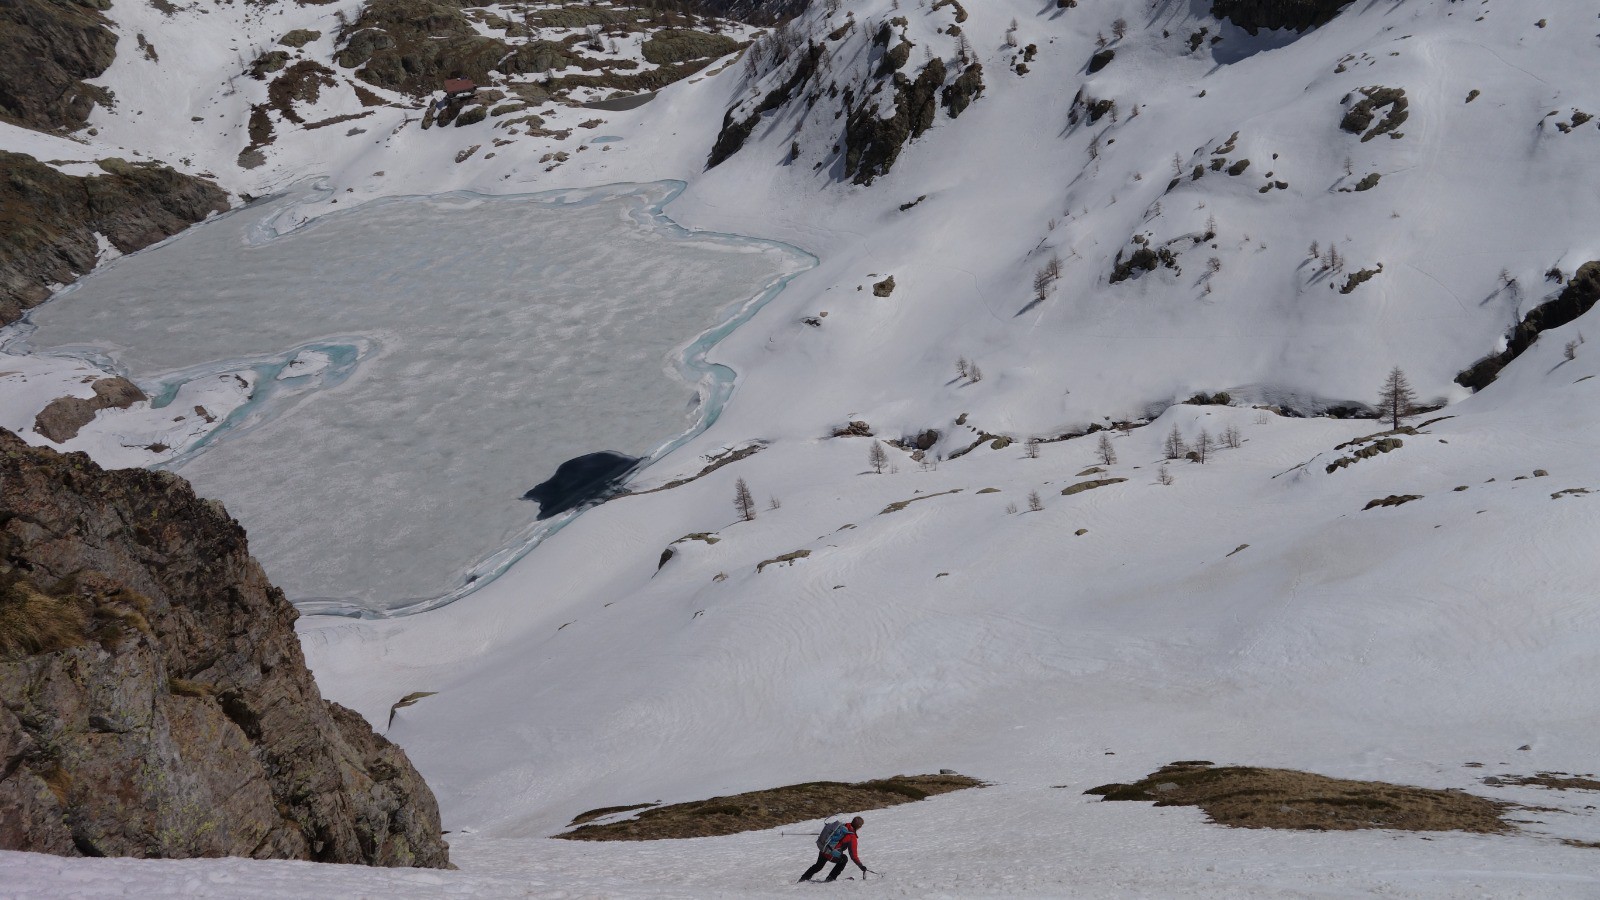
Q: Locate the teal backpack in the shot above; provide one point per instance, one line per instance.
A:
(832, 831)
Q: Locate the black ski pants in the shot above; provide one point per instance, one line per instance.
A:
(823, 859)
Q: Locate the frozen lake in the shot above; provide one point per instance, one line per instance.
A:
(460, 348)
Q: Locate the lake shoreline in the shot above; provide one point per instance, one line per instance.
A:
(274, 392)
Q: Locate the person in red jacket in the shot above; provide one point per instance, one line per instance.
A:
(839, 850)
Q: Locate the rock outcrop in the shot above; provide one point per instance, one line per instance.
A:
(414, 45)
(47, 49)
(872, 144)
(735, 130)
(154, 701)
(1581, 293)
(64, 417)
(1252, 15)
(48, 220)
(959, 95)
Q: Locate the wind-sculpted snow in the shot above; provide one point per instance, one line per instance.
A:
(481, 343)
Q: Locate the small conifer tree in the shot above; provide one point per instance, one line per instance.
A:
(744, 501)
(1396, 400)
(1174, 447)
(1104, 450)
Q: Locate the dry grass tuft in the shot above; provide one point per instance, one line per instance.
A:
(764, 809)
(32, 621)
(71, 611)
(1249, 797)
(59, 781)
(183, 687)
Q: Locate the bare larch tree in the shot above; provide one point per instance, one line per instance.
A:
(1396, 400)
(744, 501)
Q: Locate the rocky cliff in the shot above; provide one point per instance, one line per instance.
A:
(47, 48)
(49, 220)
(153, 697)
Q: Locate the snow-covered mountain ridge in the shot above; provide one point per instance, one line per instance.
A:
(1253, 610)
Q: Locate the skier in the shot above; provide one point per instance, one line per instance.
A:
(837, 849)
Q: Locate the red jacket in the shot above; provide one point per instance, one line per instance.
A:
(846, 844)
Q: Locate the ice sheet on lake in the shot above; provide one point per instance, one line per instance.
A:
(496, 337)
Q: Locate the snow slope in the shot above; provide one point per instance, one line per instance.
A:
(1397, 643)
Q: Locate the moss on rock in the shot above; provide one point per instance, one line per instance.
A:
(299, 37)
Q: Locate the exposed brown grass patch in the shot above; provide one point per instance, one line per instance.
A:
(1249, 797)
(71, 611)
(785, 558)
(1556, 781)
(1082, 486)
(604, 811)
(902, 504)
(756, 810)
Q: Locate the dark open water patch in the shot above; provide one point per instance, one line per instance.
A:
(583, 479)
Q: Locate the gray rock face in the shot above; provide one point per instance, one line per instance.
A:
(153, 697)
(48, 220)
(46, 50)
(65, 416)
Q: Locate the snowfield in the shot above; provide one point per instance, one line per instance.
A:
(1254, 611)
